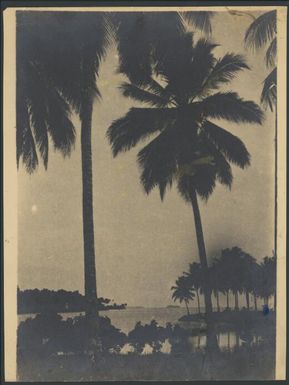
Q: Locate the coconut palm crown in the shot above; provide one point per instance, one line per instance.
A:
(183, 292)
(262, 33)
(182, 97)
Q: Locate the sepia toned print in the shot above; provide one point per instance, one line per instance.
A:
(148, 220)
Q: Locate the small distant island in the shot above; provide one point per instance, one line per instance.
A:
(173, 307)
(61, 301)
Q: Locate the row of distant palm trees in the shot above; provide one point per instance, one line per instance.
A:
(234, 272)
(178, 78)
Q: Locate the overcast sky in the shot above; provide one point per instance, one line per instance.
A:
(142, 244)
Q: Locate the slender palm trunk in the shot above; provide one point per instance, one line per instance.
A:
(87, 207)
(198, 300)
(228, 300)
(187, 307)
(211, 335)
(248, 300)
(217, 299)
(275, 301)
(255, 302)
(237, 339)
(236, 301)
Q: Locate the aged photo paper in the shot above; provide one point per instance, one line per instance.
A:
(145, 193)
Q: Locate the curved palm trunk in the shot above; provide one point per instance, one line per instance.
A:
(198, 300)
(211, 335)
(187, 307)
(87, 207)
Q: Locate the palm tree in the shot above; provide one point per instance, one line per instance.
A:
(195, 279)
(215, 280)
(268, 284)
(256, 271)
(57, 72)
(183, 292)
(189, 148)
(248, 276)
(143, 38)
(262, 33)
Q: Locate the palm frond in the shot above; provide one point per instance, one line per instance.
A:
(231, 107)
(271, 53)
(200, 20)
(40, 130)
(200, 66)
(223, 170)
(136, 125)
(203, 182)
(224, 71)
(158, 163)
(269, 91)
(142, 39)
(25, 144)
(59, 124)
(261, 30)
(228, 144)
(221, 165)
(142, 95)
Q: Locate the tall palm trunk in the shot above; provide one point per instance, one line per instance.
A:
(198, 300)
(247, 300)
(87, 207)
(211, 335)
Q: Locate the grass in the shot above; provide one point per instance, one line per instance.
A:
(241, 364)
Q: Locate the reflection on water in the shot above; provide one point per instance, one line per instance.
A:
(167, 335)
(226, 341)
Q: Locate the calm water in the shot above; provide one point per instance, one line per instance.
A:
(125, 320)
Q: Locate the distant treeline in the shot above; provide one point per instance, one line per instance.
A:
(234, 272)
(60, 301)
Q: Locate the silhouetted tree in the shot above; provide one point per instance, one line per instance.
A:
(183, 291)
(195, 279)
(189, 149)
(248, 267)
(268, 277)
(262, 32)
(215, 275)
(58, 56)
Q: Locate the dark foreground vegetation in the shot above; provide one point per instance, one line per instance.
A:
(51, 349)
